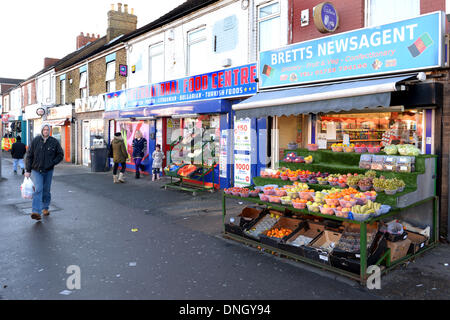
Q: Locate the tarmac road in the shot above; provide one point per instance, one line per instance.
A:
(175, 253)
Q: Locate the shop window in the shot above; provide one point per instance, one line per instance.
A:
(373, 128)
(196, 49)
(62, 86)
(110, 76)
(156, 63)
(83, 85)
(269, 26)
(199, 135)
(381, 12)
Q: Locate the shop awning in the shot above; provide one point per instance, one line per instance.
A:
(345, 96)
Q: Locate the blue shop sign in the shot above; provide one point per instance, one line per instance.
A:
(227, 83)
(412, 44)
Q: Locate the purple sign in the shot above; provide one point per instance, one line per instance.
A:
(329, 17)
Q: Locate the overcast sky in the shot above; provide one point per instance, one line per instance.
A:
(34, 29)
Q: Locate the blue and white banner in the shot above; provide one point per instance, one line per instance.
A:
(228, 83)
(406, 45)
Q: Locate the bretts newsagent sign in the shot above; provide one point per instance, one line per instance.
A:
(411, 44)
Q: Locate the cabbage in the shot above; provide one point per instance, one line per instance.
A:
(408, 150)
(390, 149)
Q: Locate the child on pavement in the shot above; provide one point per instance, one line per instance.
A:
(158, 157)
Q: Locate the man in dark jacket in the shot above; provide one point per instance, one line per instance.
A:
(18, 151)
(43, 155)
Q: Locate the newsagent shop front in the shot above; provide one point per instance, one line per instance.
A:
(191, 119)
(354, 170)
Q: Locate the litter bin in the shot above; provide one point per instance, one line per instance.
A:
(99, 158)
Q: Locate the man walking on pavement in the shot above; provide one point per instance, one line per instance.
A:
(18, 151)
(120, 155)
(44, 154)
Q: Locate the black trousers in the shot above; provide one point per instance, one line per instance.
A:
(116, 167)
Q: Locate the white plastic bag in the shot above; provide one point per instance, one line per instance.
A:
(27, 188)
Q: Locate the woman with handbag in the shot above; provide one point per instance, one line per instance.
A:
(139, 151)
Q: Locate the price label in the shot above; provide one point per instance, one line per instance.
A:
(325, 258)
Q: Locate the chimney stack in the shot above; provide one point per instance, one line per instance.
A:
(119, 22)
(49, 61)
(83, 40)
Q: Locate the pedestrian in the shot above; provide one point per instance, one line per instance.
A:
(139, 150)
(44, 154)
(120, 155)
(18, 151)
(158, 157)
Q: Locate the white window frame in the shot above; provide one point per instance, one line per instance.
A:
(110, 76)
(62, 89)
(152, 79)
(266, 18)
(83, 87)
(368, 15)
(189, 43)
(29, 93)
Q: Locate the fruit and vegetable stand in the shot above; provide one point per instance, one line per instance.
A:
(185, 172)
(416, 204)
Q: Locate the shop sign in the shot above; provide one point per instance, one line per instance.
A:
(408, 45)
(227, 83)
(326, 17)
(91, 104)
(61, 112)
(242, 166)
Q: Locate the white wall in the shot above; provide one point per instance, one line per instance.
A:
(175, 50)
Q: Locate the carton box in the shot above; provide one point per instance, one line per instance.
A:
(248, 217)
(399, 249)
(418, 242)
(284, 222)
(321, 247)
(352, 262)
(309, 229)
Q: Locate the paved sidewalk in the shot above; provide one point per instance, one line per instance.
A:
(428, 277)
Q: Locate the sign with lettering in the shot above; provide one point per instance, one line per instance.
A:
(227, 83)
(412, 44)
(326, 17)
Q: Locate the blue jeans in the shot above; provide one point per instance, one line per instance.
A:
(18, 161)
(41, 196)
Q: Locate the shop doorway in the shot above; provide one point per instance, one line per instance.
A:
(86, 141)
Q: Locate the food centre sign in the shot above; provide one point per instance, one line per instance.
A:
(227, 83)
(407, 45)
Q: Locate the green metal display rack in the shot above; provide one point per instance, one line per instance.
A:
(362, 277)
(181, 183)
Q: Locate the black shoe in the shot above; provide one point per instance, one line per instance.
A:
(23, 171)
(138, 176)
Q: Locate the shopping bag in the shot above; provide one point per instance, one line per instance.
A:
(27, 188)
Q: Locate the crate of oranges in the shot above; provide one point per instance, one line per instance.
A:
(282, 229)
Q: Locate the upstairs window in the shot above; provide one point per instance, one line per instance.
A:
(83, 85)
(196, 51)
(156, 63)
(269, 26)
(62, 86)
(381, 12)
(29, 93)
(110, 76)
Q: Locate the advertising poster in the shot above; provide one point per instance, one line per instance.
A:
(223, 154)
(128, 130)
(242, 165)
(242, 134)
